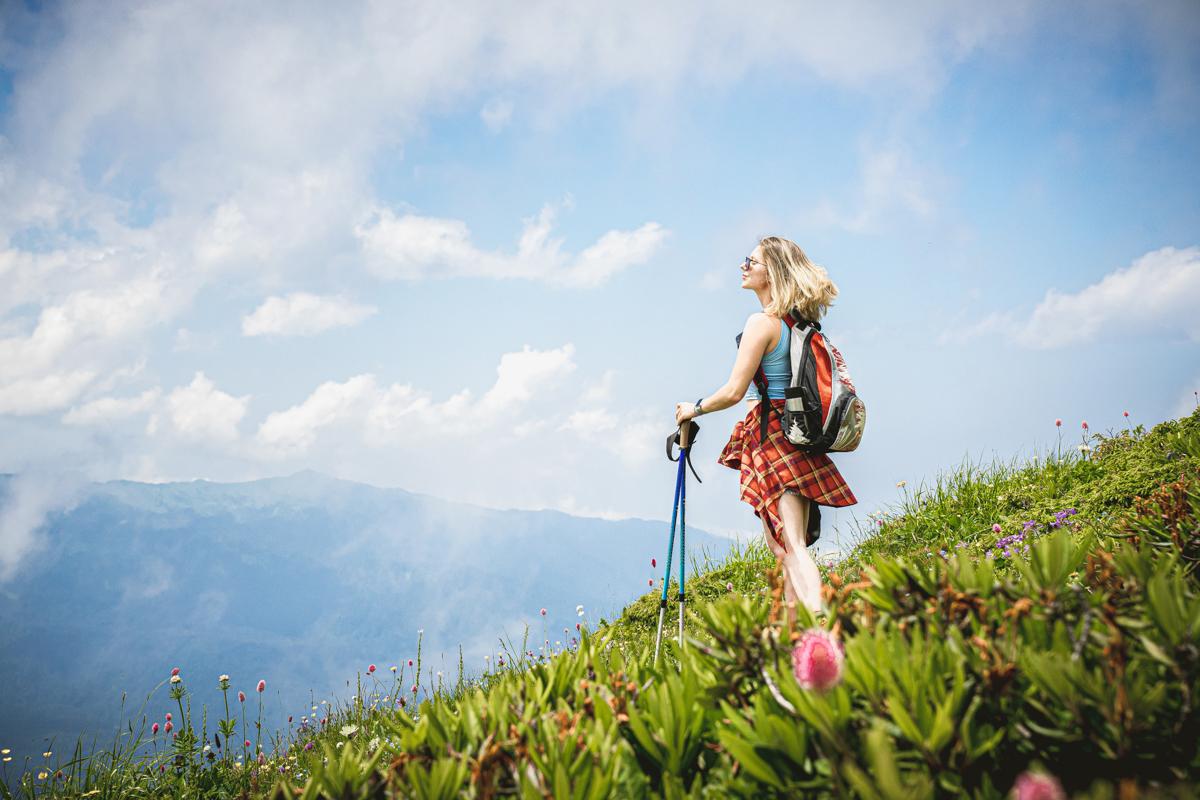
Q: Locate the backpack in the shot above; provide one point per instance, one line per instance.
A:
(822, 413)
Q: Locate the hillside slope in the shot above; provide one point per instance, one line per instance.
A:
(1021, 624)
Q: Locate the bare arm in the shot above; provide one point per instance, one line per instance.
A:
(755, 338)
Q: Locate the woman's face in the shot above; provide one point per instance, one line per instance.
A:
(754, 274)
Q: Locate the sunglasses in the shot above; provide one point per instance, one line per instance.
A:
(748, 261)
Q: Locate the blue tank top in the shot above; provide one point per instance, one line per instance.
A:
(777, 365)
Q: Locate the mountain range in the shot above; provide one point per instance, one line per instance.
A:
(301, 581)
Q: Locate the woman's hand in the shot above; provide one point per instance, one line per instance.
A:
(684, 412)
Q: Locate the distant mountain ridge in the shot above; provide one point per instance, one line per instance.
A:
(300, 580)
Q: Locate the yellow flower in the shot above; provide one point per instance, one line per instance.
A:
(43, 775)
(47, 754)
(901, 484)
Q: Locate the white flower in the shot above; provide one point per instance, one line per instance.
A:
(371, 745)
(223, 678)
(339, 744)
(175, 679)
(207, 747)
(349, 730)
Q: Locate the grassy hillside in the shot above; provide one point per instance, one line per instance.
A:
(1001, 625)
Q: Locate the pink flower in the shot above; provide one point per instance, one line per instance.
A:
(650, 582)
(371, 668)
(1058, 423)
(241, 697)
(996, 527)
(653, 563)
(1085, 425)
(1126, 413)
(543, 612)
(402, 703)
(414, 689)
(576, 626)
(247, 743)
(817, 660)
(154, 728)
(729, 586)
(168, 716)
(1036, 786)
(167, 729)
(410, 662)
(174, 672)
(262, 685)
(289, 719)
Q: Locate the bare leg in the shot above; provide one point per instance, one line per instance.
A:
(798, 563)
(780, 553)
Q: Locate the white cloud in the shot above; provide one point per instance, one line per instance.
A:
(1158, 291)
(109, 408)
(409, 247)
(295, 429)
(28, 499)
(890, 182)
(43, 393)
(304, 314)
(400, 413)
(496, 114)
(202, 412)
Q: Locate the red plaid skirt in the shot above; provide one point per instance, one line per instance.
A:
(766, 472)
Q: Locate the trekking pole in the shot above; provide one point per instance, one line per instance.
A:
(684, 444)
(685, 437)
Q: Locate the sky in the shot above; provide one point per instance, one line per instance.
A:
(481, 250)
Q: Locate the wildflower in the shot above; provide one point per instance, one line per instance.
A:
(650, 582)
(996, 527)
(1083, 448)
(1037, 786)
(223, 679)
(653, 563)
(176, 679)
(261, 686)
(543, 612)
(579, 610)
(1085, 427)
(943, 553)
(370, 668)
(729, 586)
(153, 729)
(167, 729)
(1126, 413)
(393, 668)
(308, 746)
(414, 689)
(168, 716)
(43, 775)
(1058, 423)
(817, 660)
(289, 719)
(175, 672)
(241, 697)
(901, 484)
(410, 662)
(577, 626)
(247, 743)
(349, 730)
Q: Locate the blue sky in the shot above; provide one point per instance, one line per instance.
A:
(481, 252)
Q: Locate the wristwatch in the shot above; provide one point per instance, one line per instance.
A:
(699, 410)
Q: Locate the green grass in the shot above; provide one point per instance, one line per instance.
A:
(894, 591)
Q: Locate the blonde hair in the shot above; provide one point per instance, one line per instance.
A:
(796, 282)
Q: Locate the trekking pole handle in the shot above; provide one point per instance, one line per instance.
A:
(685, 432)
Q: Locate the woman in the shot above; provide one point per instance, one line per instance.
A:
(779, 481)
